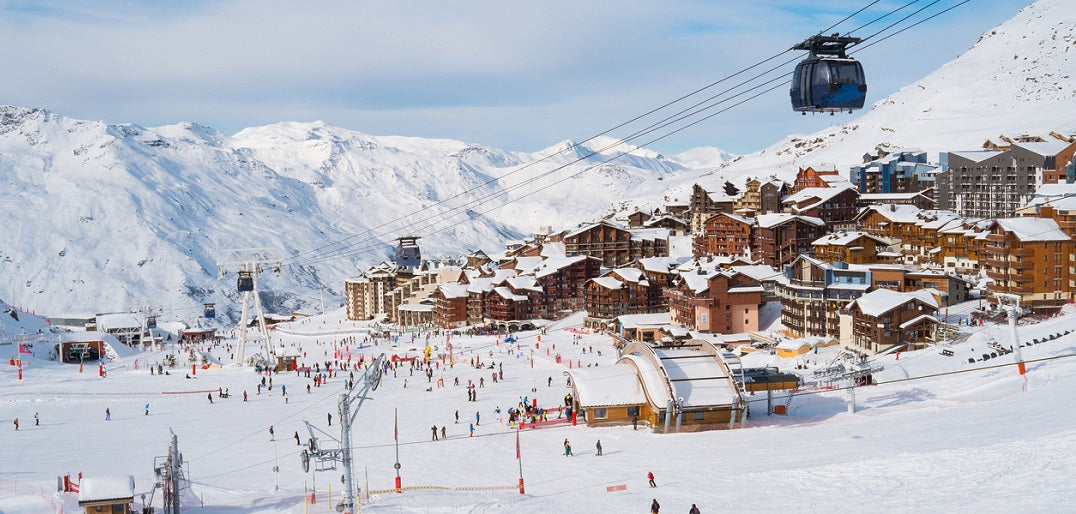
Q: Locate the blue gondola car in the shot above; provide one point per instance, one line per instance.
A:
(245, 282)
(210, 310)
(828, 80)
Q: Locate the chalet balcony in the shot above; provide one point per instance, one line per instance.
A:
(1005, 250)
(1020, 290)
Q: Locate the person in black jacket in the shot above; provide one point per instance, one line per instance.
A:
(655, 506)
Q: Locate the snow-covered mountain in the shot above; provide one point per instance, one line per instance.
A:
(109, 217)
(1018, 78)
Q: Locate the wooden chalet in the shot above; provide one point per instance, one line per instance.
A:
(883, 319)
(836, 206)
(721, 301)
(725, 234)
(779, 238)
(855, 247)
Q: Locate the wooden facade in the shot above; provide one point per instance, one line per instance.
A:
(1031, 258)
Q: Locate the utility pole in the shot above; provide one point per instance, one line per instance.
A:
(1014, 311)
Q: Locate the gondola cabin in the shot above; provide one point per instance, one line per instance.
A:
(828, 80)
(245, 282)
(210, 311)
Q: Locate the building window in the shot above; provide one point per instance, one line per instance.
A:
(599, 413)
(633, 412)
(699, 416)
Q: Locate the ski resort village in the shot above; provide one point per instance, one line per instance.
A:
(301, 318)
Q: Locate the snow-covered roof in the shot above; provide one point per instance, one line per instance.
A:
(746, 289)
(99, 488)
(652, 378)
(85, 337)
(552, 265)
(976, 155)
(630, 274)
(760, 272)
(881, 301)
(656, 319)
(1033, 229)
(607, 385)
(608, 282)
(1047, 148)
(453, 290)
(820, 195)
(780, 218)
(895, 213)
(844, 238)
(524, 282)
(695, 377)
(917, 319)
(508, 294)
(649, 233)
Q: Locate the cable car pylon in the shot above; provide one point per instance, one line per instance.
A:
(248, 271)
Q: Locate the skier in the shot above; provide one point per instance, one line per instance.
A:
(655, 506)
(549, 383)
(244, 396)
(16, 423)
(434, 430)
(477, 418)
(471, 428)
(108, 414)
(443, 431)
(297, 441)
(567, 449)
(330, 415)
(271, 433)
(210, 396)
(694, 510)
(147, 409)
(37, 421)
(599, 447)
(457, 417)
(650, 476)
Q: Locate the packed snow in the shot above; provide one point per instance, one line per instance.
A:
(937, 432)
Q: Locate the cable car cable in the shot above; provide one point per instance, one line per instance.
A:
(663, 123)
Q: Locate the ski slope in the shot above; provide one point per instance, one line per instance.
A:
(964, 440)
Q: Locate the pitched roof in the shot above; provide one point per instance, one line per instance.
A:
(1033, 229)
(780, 218)
(881, 301)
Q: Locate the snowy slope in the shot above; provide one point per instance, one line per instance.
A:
(1019, 78)
(108, 217)
(937, 434)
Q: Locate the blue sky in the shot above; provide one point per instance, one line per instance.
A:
(513, 75)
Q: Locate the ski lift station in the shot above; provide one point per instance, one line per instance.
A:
(647, 384)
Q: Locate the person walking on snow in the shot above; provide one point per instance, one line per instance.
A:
(472, 431)
(694, 510)
(16, 423)
(330, 415)
(567, 448)
(457, 417)
(599, 447)
(434, 430)
(297, 442)
(477, 418)
(655, 506)
(443, 431)
(650, 476)
(210, 396)
(271, 433)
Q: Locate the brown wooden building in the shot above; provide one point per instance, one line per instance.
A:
(1030, 257)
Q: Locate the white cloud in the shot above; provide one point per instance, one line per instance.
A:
(509, 74)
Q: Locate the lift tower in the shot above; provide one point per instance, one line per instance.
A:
(248, 264)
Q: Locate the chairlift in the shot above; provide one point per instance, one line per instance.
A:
(245, 282)
(210, 311)
(828, 80)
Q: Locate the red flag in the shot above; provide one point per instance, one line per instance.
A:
(25, 348)
(517, 444)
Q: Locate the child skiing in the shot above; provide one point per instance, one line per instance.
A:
(650, 476)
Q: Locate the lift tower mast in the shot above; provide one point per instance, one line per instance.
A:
(248, 264)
